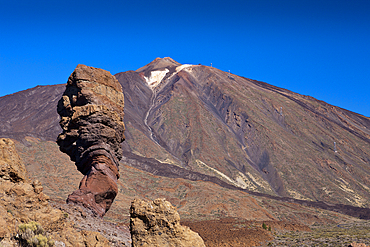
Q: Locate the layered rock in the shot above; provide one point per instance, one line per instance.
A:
(157, 223)
(91, 111)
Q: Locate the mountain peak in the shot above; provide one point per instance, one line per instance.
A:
(159, 64)
(159, 69)
(168, 59)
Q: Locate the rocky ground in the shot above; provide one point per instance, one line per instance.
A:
(82, 221)
(23, 201)
(326, 235)
(238, 232)
(230, 232)
(200, 204)
(27, 217)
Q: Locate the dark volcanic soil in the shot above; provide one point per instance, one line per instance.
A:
(238, 232)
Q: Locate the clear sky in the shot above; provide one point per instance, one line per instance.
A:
(319, 48)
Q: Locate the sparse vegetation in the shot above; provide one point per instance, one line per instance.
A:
(32, 234)
(264, 226)
(65, 215)
(338, 235)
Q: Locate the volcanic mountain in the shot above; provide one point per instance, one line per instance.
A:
(247, 133)
(198, 123)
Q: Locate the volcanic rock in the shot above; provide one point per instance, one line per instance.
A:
(11, 167)
(23, 201)
(91, 111)
(157, 223)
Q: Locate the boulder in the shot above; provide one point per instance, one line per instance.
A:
(157, 223)
(11, 167)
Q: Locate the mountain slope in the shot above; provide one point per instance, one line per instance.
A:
(200, 123)
(31, 112)
(249, 134)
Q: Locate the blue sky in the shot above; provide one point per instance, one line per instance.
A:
(316, 48)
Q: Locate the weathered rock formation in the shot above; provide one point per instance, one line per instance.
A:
(23, 201)
(91, 111)
(157, 224)
(11, 167)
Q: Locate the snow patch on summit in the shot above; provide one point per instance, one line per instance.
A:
(184, 66)
(155, 77)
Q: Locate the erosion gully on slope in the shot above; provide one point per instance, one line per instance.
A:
(151, 134)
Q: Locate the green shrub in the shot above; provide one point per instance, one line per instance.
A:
(32, 234)
(264, 226)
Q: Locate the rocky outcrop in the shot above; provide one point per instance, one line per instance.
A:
(23, 203)
(91, 111)
(21, 200)
(157, 223)
(11, 167)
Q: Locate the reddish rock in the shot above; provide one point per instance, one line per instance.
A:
(99, 187)
(91, 111)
